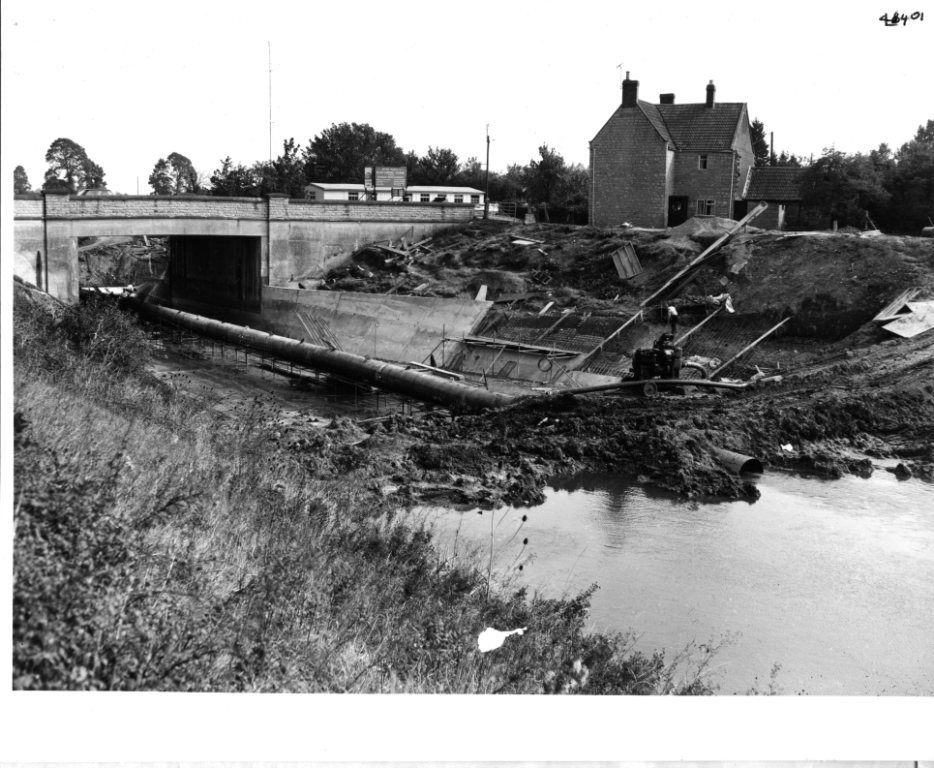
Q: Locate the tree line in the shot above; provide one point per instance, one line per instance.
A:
(884, 189)
(893, 190)
(338, 154)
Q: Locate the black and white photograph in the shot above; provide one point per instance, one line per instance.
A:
(512, 353)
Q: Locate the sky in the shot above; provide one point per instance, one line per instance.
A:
(132, 82)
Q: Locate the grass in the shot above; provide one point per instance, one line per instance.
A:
(162, 546)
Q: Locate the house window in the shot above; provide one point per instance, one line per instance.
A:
(353, 195)
(424, 197)
(705, 207)
(458, 198)
(311, 195)
(475, 199)
(441, 198)
(702, 162)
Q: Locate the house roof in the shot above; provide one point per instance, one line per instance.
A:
(696, 126)
(774, 183)
(444, 190)
(330, 185)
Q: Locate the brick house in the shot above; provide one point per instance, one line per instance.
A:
(656, 165)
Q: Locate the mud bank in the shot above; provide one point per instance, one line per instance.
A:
(829, 423)
(850, 393)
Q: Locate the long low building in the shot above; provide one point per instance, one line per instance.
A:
(327, 191)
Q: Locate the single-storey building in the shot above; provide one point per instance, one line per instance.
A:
(780, 187)
(428, 194)
(417, 194)
(656, 165)
(330, 191)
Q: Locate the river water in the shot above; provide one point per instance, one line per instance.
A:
(832, 580)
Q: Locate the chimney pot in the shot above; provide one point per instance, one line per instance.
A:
(711, 90)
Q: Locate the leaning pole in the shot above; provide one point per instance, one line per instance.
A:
(388, 376)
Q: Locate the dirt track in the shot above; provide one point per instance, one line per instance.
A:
(852, 392)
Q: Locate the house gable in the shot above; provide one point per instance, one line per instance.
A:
(628, 170)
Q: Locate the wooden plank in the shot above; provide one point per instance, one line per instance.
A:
(890, 310)
(626, 262)
(516, 345)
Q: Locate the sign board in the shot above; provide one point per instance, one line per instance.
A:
(384, 176)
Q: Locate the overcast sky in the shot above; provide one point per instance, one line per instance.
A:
(132, 82)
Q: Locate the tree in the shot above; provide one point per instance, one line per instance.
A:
(173, 176)
(760, 147)
(288, 172)
(341, 152)
(545, 175)
(21, 183)
(234, 180)
(70, 168)
(439, 166)
(843, 188)
(784, 159)
(472, 174)
(911, 183)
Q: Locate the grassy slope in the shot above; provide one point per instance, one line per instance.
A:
(162, 547)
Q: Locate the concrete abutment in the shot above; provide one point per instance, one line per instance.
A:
(295, 238)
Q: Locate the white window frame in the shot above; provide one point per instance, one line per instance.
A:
(424, 197)
(706, 207)
(458, 198)
(353, 196)
(475, 199)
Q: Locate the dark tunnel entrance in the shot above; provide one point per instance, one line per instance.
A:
(213, 269)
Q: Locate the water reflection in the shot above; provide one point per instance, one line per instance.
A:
(830, 579)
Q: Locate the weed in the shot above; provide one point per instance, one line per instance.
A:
(161, 545)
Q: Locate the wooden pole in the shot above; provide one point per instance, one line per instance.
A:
(609, 338)
(720, 241)
(745, 349)
(699, 325)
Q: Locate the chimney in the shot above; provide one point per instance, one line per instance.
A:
(666, 98)
(630, 91)
(711, 90)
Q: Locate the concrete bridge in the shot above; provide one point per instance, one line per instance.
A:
(224, 249)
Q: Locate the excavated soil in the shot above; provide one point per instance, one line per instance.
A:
(852, 395)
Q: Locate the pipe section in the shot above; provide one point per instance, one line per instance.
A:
(737, 463)
(377, 373)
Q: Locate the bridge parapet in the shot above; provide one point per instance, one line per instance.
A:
(272, 208)
(296, 237)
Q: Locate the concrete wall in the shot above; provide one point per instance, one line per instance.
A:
(628, 166)
(298, 236)
(401, 328)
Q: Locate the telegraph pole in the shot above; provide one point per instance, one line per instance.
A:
(486, 192)
(269, 50)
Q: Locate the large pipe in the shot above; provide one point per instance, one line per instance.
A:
(363, 369)
(737, 462)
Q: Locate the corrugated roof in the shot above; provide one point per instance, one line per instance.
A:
(699, 127)
(774, 183)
